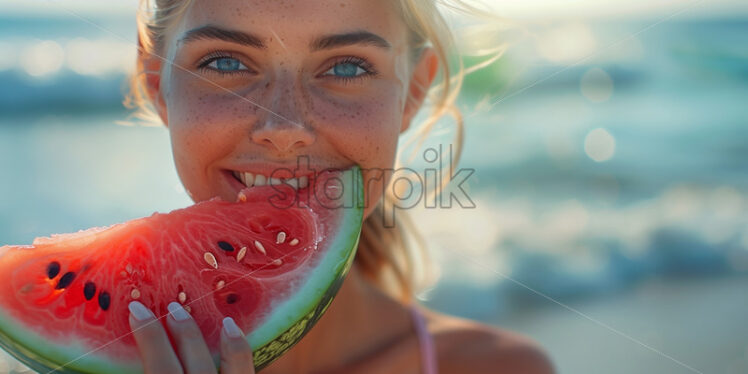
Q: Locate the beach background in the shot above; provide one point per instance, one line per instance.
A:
(608, 145)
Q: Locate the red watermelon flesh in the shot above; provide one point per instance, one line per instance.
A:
(272, 261)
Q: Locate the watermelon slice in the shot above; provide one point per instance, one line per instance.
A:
(273, 261)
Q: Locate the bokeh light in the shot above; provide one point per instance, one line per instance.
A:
(42, 58)
(599, 145)
(90, 57)
(566, 43)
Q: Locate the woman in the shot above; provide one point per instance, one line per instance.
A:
(248, 86)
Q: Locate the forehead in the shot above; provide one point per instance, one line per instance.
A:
(298, 21)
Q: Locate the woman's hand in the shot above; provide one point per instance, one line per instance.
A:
(192, 355)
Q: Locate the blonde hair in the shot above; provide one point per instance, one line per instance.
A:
(392, 257)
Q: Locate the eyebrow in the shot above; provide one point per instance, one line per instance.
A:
(217, 33)
(351, 38)
(251, 40)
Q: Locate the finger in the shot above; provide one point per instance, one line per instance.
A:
(236, 355)
(153, 343)
(191, 346)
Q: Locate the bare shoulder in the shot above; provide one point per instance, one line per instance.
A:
(465, 346)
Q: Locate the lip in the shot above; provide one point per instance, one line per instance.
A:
(235, 183)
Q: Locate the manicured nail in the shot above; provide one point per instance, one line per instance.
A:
(231, 329)
(139, 311)
(177, 311)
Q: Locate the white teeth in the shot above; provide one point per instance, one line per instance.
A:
(244, 178)
(293, 182)
(251, 180)
(260, 180)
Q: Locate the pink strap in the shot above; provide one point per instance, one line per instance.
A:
(428, 354)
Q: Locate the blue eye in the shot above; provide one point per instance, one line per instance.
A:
(349, 69)
(226, 64)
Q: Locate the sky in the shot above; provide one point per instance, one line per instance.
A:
(522, 9)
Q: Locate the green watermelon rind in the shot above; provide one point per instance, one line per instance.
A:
(317, 293)
(45, 357)
(276, 335)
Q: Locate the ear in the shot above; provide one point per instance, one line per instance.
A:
(424, 73)
(151, 65)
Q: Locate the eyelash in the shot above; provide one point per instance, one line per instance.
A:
(360, 62)
(217, 55)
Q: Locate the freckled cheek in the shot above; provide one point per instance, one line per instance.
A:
(366, 132)
(207, 118)
(203, 128)
(200, 104)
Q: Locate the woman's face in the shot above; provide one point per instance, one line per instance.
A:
(256, 84)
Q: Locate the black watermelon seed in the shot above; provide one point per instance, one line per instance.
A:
(89, 290)
(65, 280)
(53, 269)
(104, 300)
(232, 298)
(225, 246)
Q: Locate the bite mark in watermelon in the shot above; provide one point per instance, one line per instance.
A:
(272, 261)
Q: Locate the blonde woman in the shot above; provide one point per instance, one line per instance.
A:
(252, 85)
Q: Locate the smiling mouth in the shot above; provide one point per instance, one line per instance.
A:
(256, 180)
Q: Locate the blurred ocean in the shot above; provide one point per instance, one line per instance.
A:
(611, 176)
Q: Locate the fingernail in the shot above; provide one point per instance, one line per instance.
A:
(139, 311)
(177, 311)
(231, 329)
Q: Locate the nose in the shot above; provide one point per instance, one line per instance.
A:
(281, 128)
(282, 135)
